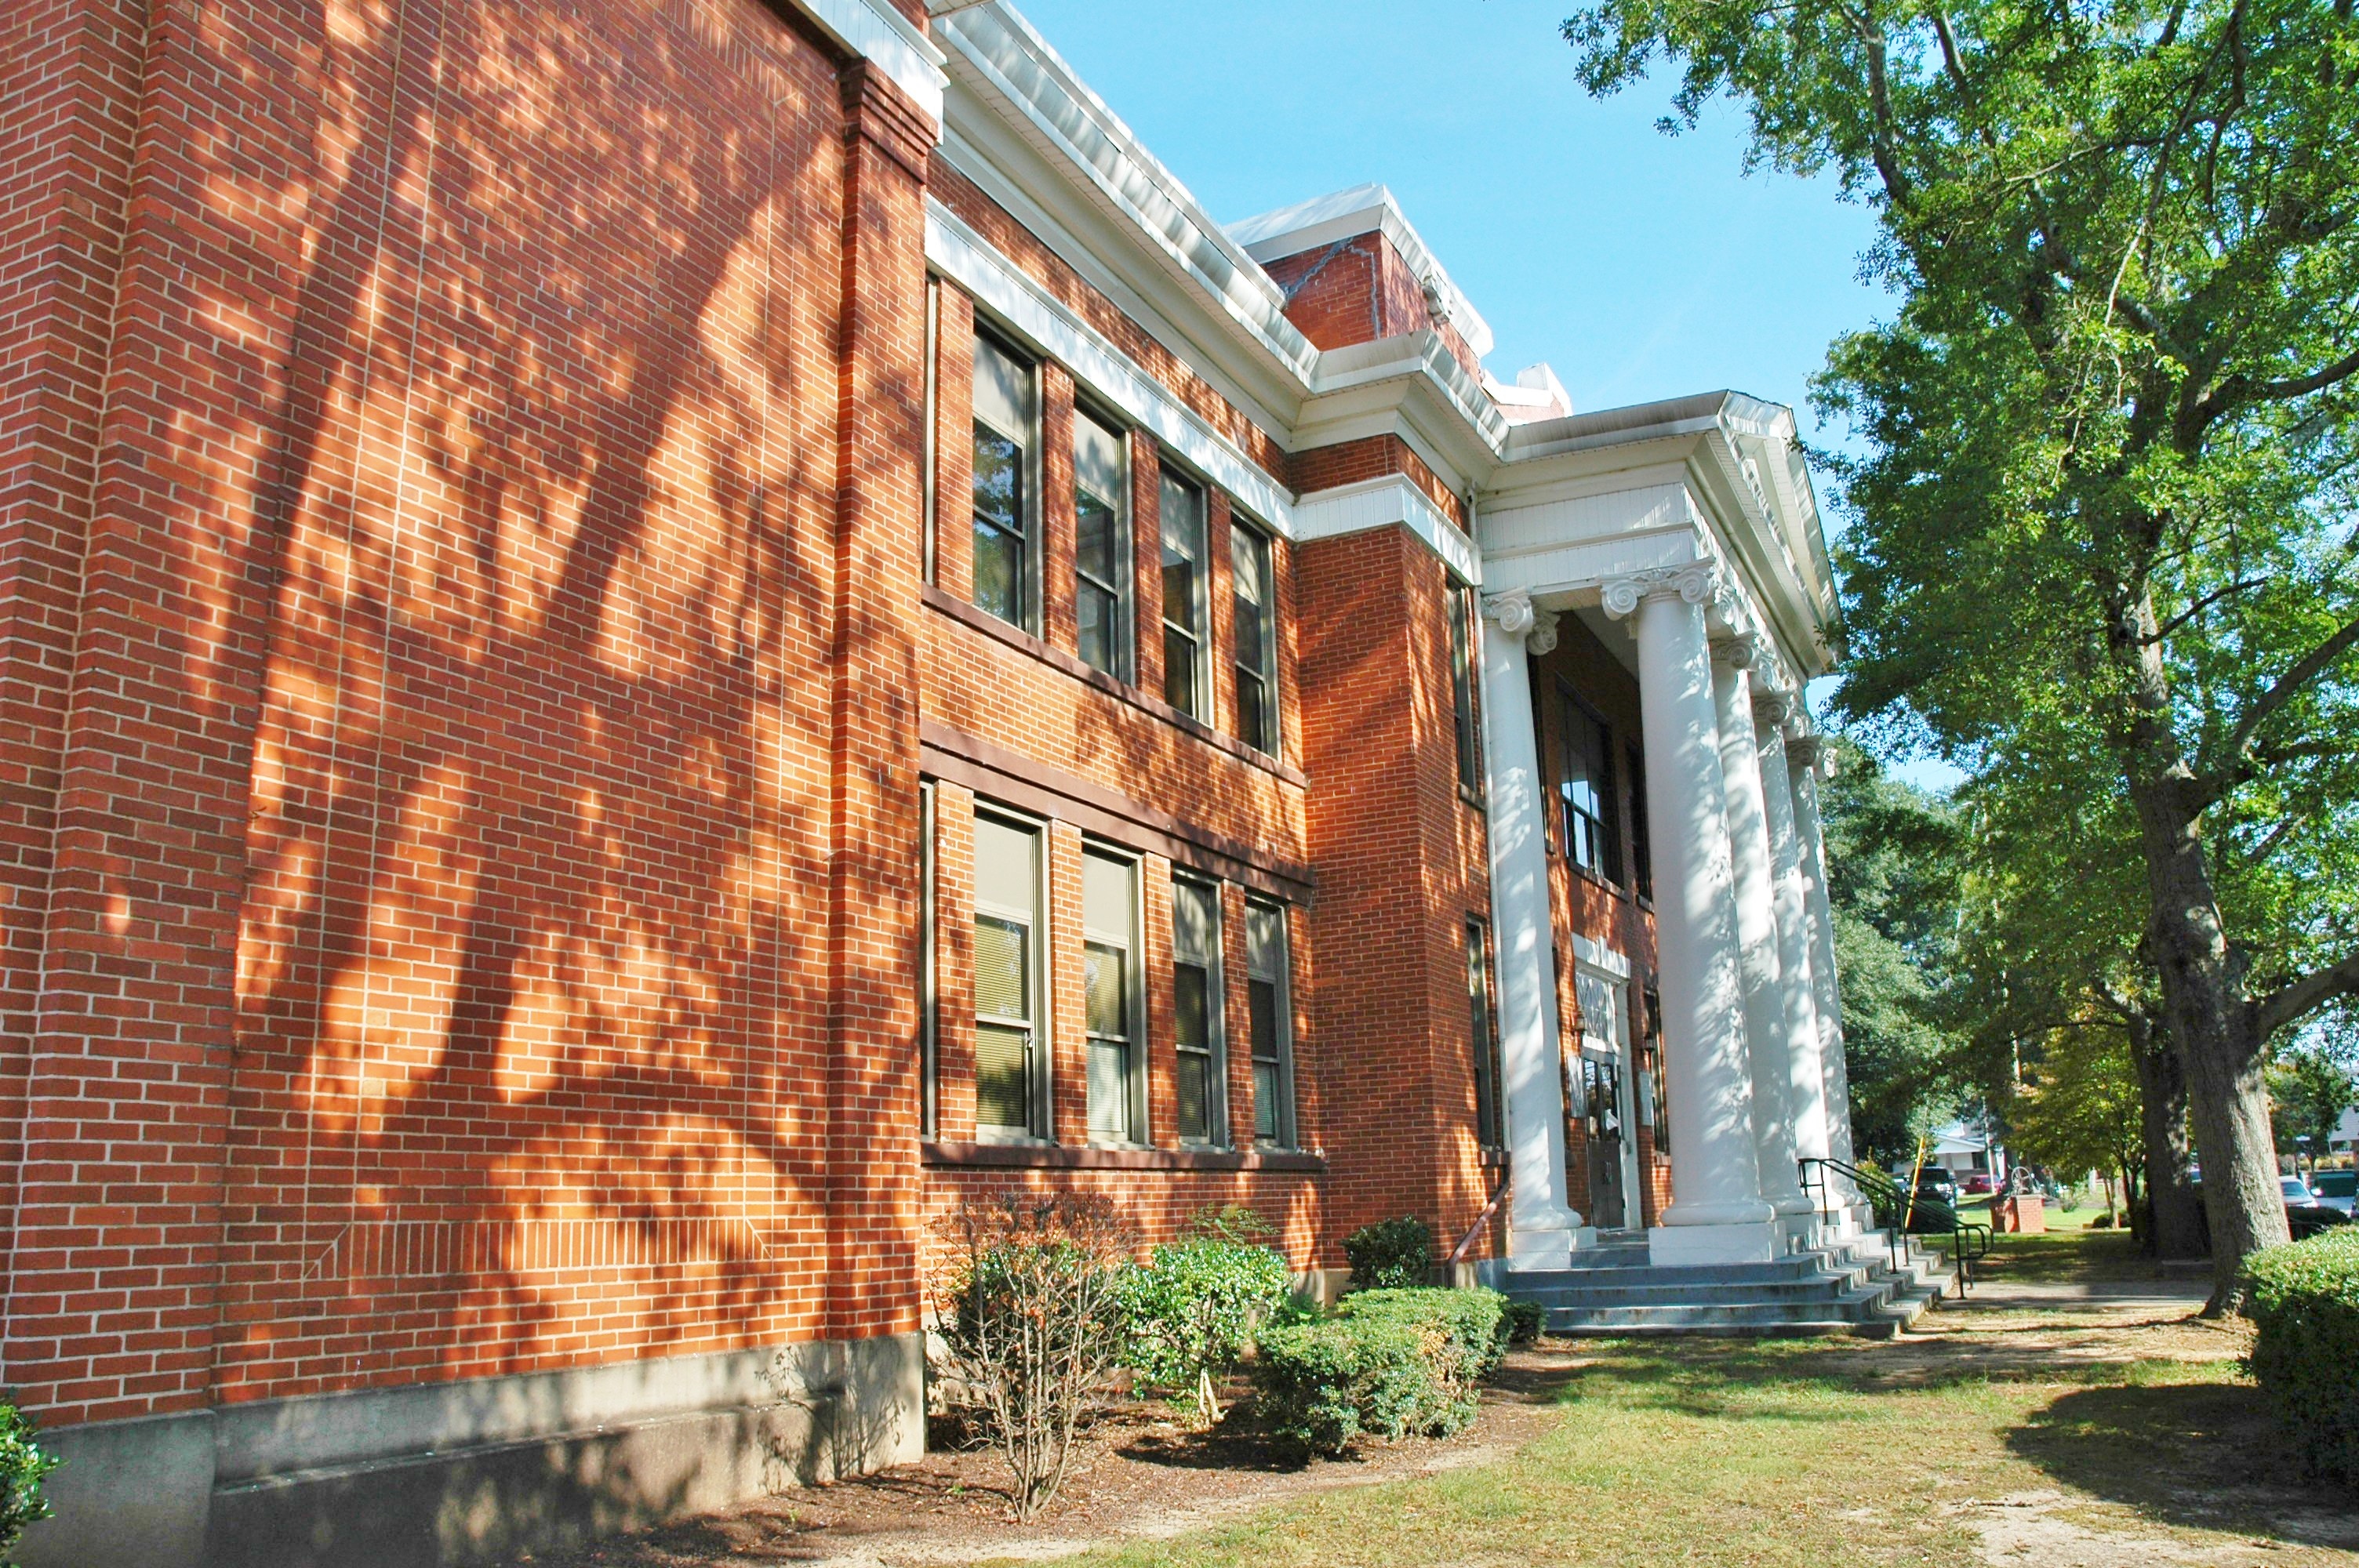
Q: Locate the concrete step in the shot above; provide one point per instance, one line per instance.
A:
(1859, 1286)
(1677, 1294)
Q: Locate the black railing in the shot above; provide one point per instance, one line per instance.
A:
(1901, 1213)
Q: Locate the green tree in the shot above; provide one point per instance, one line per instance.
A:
(2106, 500)
(2081, 1108)
(1893, 868)
(2308, 1091)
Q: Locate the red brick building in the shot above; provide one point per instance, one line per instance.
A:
(639, 644)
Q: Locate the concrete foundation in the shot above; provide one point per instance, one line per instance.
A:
(444, 1475)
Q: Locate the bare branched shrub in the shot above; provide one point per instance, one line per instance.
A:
(1029, 1293)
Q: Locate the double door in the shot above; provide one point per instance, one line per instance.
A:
(1604, 1096)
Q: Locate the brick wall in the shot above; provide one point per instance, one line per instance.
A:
(1360, 290)
(1401, 864)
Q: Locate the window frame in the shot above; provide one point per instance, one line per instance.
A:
(1200, 704)
(1286, 1131)
(929, 991)
(1134, 1131)
(1465, 662)
(1038, 1067)
(1028, 513)
(1254, 540)
(1216, 1134)
(1125, 557)
(1642, 844)
(1483, 1030)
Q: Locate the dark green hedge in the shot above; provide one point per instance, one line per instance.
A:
(1391, 1254)
(2305, 1301)
(1388, 1363)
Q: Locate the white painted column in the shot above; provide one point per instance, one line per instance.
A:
(1542, 1230)
(1766, 1039)
(1806, 753)
(1716, 1214)
(1806, 1093)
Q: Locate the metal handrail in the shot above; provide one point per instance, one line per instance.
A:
(1968, 1242)
(1466, 1242)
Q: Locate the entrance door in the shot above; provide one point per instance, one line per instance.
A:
(1606, 1085)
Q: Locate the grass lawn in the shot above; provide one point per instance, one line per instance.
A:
(2004, 1436)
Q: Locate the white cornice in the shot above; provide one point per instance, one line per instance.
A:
(993, 52)
(1380, 503)
(875, 30)
(1345, 215)
(1006, 291)
(1411, 386)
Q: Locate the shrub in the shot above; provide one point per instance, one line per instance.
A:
(24, 1464)
(1526, 1321)
(2305, 1304)
(1192, 1309)
(1391, 1254)
(1389, 1363)
(1029, 1295)
(1328, 1381)
(1473, 1322)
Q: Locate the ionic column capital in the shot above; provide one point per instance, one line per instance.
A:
(1773, 711)
(1744, 651)
(1514, 613)
(1806, 752)
(1695, 582)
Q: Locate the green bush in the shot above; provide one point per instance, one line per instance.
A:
(1473, 1322)
(1388, 1363)
(1526, 1321)
(2305, 1304)
(1194, 1307)
(1325, 1382)
(1392, 1254)
(23, 1465)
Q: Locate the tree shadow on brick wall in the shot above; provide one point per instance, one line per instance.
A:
(532, 1026)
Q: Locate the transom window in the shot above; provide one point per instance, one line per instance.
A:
(1008, 1054)
(1196, 996)
(1101, 569)
(1272, 1013)
(1255, 626)
(1186, 677)
(1110, 989)
(1006, 417)
(1585, 786)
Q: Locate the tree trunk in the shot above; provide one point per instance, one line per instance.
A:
(2175, 1222)
(2218, 1036)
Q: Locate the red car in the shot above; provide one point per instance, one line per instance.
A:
(1978, 1181)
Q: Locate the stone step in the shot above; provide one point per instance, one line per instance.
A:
(1674, 1294)
(1858, 1285)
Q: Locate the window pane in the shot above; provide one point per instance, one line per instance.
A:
(1195, 922)
(1099, 631)
(998, 479)
(998, 572)
(1109, 1070)
(1190, 988)
(1096, 538)
(1003, 978)
(1106, 897)
(1178, 669)
(1262, 1003)
(1003, 389)
(1005, 867)
(1195, 1117)
(1000, 1062)
(1105, 982)
(1266, 1093)
(1462, 687)
(1253, 713)
(1098, 466)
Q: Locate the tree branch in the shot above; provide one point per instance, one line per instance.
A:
(2291, 1003)
(2318, 380)
(2222, 775)
(2200, 606)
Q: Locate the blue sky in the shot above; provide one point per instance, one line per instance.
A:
(1640, 266)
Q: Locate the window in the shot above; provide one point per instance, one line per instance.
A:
(1489, 1125)
(1661, 1073)
(1196, 995)
(1006, 408)
(1268, 995)
(1642, 849)
(1462, 687)
(1102, 570)
(1110, 987)
(1008, 981)
(928, 506)
(1591, 839)
(1185, 676)
(929, 986)
(1254, 624)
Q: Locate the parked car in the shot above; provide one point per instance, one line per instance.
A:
(1977, 1183)
(2335, 1189)
(2305, 1215)
(1938, 1184)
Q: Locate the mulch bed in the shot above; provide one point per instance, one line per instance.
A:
(1141, 1470)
